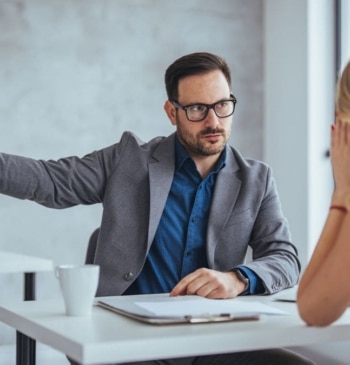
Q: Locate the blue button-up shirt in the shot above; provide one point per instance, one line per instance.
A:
(179, 245)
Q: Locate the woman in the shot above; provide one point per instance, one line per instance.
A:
(324, 289)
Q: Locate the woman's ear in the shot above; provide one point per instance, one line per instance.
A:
(170, 111)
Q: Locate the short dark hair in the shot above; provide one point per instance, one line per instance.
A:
(193, 64)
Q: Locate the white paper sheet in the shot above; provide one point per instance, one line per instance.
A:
(205, 307)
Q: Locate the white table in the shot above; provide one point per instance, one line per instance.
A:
(28, 265)
(106, 337)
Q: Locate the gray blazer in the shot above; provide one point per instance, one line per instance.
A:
(132, 180)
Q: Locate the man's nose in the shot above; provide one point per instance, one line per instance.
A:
(211, 120)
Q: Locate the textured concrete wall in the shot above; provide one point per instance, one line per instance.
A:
(74, 75)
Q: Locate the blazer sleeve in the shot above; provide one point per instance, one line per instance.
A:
(275, 259)
(246, 212)
(63, 183)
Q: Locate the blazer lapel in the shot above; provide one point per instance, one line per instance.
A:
(226, 191)
(161, 173)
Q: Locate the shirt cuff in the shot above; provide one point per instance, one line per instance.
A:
(255, 283)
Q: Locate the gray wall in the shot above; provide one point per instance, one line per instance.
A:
(299, 108)
(75, 74)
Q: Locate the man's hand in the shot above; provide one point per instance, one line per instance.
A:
(210, 284)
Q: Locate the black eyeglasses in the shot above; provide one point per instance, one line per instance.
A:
(198, 112)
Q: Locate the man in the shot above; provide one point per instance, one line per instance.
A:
(179, 211)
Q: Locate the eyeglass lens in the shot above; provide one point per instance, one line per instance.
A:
(198, 112)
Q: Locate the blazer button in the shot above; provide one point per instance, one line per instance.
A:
(129, 276)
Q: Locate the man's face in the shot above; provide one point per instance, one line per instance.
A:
(209, 136)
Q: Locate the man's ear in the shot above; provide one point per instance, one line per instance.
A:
(170, 110)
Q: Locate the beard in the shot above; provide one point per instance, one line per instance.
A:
(199, 145)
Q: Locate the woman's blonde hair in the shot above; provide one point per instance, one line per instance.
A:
(343, 92)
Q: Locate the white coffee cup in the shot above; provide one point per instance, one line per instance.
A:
(78, 287)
